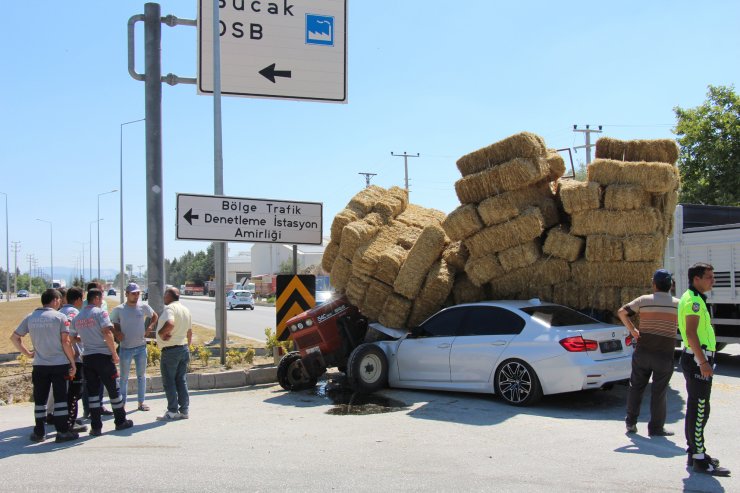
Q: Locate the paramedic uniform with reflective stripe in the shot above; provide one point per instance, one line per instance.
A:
(98, 363)
(699, 388)
(74, 391)
(50, 365)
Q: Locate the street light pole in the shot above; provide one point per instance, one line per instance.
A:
(82, 274)
(7, 250)
(99, 195)
(91, 223)
(51, 235)
(120, 187)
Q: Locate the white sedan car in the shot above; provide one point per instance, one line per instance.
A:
(239, 299)
(519, 350)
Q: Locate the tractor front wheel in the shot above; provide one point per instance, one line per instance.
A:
(292, 375)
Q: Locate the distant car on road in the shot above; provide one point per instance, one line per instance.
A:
(111, 292)
(239, 298)
(22, 293)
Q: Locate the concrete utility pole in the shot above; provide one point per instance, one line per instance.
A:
(367, 177)
(16, 249)
(405, 157)
(588, 131)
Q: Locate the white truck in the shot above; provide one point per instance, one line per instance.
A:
(711, 234)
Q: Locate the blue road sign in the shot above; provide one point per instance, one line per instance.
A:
(319, 29)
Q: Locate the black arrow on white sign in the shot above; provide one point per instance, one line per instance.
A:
(270, 73)
(189, 216)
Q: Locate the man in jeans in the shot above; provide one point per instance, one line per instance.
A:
(174, 335)
(129, 323)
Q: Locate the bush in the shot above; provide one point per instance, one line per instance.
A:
(203, 353)
(248, 356)
(23, 360)
(153, 354)
(271, 342)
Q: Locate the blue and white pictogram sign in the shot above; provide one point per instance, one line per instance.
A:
(319, 29)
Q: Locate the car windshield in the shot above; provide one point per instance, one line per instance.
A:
(241, 293)
(558, 316)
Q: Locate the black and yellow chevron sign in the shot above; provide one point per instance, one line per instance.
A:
(295, 294)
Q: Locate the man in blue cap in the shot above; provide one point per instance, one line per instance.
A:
(653, 356)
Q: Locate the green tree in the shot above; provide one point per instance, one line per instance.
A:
(709, 140)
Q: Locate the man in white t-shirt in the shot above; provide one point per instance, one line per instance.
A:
(174, 335)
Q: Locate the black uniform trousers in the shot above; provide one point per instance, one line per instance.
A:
(45, 378)
(699, 390)
(100, 370)
(659, 365)
(74, 392)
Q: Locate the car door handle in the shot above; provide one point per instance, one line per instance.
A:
(444, 345)
(498, 343)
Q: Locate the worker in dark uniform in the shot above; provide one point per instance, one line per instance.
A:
(99, 361)
(697, 363)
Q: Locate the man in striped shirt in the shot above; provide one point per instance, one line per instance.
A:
(656, 342)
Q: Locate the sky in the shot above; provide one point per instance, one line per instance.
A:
(433, 77)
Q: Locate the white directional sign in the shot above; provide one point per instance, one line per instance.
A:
(218, 218)
(292, 49)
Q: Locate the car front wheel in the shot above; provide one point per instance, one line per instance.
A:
(517, 383)
(368, 368)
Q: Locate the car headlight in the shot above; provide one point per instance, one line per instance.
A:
(300, 325)
(293, 328)
(309, 322)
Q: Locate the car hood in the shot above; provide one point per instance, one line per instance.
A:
(394, 333)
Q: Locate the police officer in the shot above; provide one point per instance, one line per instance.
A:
(697, 363)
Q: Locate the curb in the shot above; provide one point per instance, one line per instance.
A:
(209, 381)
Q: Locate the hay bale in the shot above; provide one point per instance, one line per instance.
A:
(422, 255)
(356, 289)
(629, 293)
(541, 292)
(465, 291)
(617, 223)
(604, 248)
(357, 233)
(482, 269)
(599, 298)
(625, 197)
(366, 259)
(420, 217)
(544, 272)
(550, 214)
(654, 177)
(330, 255)
(340, 272)
(455, 254)
(375, 297)
(666, 205)
(556, 163)
(462, 222)
(437, 287)
(520, 255)
(567, 294)
(408, 236)
(364, 201)
(644, 248)
(560, 243)
(615, 274)
(524, 228)
(342, 219)
(395, 312)
(661, 150)
(576, 196)
(389, 263)
(393, 202)
(495, 210)
(512, 175)
(523, 145)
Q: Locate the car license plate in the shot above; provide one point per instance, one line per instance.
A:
(610, 346)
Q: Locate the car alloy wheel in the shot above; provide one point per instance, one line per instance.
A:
(517, 383)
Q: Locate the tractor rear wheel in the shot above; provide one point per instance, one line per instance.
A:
(292, 375)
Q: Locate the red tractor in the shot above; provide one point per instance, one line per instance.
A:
(325, 337)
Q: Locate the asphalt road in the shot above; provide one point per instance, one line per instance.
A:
(265, 439)
(244, 323)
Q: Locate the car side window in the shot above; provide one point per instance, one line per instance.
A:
(443, 324)
(490, 320)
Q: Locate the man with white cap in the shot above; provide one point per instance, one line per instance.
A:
(131, 322)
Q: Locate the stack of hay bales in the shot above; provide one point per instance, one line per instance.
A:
(507, 202)
(392, 259)
(588, 245)
(619, 221)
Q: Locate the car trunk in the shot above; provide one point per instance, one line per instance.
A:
(610, 340)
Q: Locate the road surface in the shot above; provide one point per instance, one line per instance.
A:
(244, 323)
